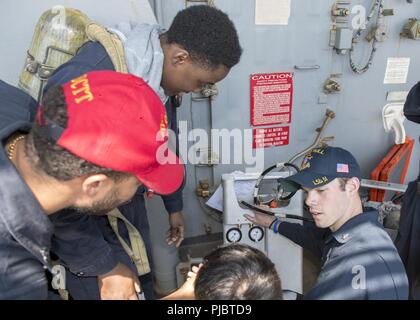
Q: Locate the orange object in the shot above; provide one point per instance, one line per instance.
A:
(273, 204)
(384, 169)
(375, 175)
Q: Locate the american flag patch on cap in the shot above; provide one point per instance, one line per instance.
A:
(342, 168)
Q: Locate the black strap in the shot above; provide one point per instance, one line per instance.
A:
(51, 129)
(270, 213)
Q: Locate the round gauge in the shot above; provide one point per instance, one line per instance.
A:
(256, 234)
(234, 235)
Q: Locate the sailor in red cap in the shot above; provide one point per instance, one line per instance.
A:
(84, 151)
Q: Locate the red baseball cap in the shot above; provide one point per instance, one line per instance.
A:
(116, 121)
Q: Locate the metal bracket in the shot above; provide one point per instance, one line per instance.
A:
(340, 11)
(331, 86)
(374, 184)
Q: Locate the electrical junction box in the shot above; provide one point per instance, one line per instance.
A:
(343, 39)
(286, 255)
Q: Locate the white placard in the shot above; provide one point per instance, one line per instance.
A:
(272, 12)
(397, 70)
(243, 189)
(397, 96)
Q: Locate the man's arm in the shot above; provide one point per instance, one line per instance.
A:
(338, 281)
(79, 243)
(307, 236)
(361, 275)
(186, 291)
(119, 284)
(174, 204)
(386, 278)
(15, 105)
(90, 57)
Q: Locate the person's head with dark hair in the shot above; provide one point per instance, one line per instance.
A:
(84, 149)
(237, 272)
(207, 34)
(200, 47)
(231, 272)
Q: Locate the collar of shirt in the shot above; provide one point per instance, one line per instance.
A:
(21, 213)
(349, 229)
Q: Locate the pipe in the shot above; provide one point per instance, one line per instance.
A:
(329, 115)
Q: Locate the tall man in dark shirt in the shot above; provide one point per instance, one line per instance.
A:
(183, 59)
(408, 238)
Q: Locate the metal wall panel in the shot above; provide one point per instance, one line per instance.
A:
(305, 41)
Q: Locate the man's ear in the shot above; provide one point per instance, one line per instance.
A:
(180, 56)
(353, 185)
(93, 184)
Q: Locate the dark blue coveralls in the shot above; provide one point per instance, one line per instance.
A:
(358, 261)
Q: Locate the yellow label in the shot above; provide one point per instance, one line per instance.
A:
(164, 126)
(306, 164)
(320, 151)
(318, 181)
(80, 85)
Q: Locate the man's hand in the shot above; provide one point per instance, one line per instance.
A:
(261, 219)
(186, 291)
(118, 284)
(175, 234)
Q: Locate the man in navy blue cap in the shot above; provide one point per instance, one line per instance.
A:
(358, 258)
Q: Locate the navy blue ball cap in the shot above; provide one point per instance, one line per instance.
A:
(322, 165)
(412, 104)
